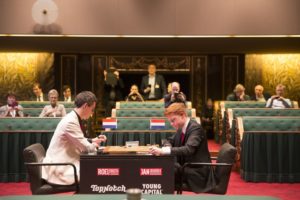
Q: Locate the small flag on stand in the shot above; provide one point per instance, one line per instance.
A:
(110, 123)
(156, 124)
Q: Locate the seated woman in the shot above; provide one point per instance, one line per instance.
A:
(238, 94)
(54, 109)
(134, 94)
(12, 109)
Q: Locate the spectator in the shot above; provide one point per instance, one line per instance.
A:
(113, 86)
(207, 119)
(37, 90)
(259, 94)
(175, 95)
(134, 94)
(278, 101)
(54, 109)
(238, 94)
(153, 85)
(68, 142)
(12, 109)
(67, 94)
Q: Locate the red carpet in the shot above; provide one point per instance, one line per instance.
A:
(236, 186)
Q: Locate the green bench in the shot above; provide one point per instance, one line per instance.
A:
(34, 104)
(257, 123)
(221, 117)
(138, 123)
(268, 148)
(145, 112)
(141, 123)
(30, 124)
(268, 140)
(145, 137)
(232, 113)
(15, 135)
(145, 104)
(35, 112)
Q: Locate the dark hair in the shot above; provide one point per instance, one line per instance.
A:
(65, 87)
(152, 64)
(85, 97)
(37, 85)
(11, 95)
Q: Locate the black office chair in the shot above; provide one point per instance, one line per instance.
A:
(219, 171)
(33, 157)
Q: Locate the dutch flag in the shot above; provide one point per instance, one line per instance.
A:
(110, 123)
(157, 124)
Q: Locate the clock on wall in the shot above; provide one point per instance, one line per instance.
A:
(44, 12)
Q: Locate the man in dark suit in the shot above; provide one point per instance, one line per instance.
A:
(189, 144)
(67, 94)
(37, 90)
(153, 85)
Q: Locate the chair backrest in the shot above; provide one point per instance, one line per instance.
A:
(227, 155)
(34, 153)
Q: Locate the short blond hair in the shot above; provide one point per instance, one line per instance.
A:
(175, 109)
(239, 88)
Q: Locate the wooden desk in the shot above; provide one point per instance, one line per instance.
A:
(126, 150)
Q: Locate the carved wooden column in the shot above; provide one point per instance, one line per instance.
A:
(199, 81)
(230, 74)
(99, 63)
(68, 72)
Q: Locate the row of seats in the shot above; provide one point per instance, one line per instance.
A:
(234, 119)
(28, 124)
(34, 104)
(35, 112)
(267, 148)
(220, 117)
(145, 104)
(145, 112)
(134, 122)
(232, 113)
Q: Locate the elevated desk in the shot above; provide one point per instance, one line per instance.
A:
(270, 156)
(120, 168)
(145, 197)
(17, 134)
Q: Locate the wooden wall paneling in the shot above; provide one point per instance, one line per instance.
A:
(99, 63)
(140, 63)
(230, 74)
(68, 72)
(199, 81)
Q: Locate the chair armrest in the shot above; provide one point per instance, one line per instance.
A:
(57, 164)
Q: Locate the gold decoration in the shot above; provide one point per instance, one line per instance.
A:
(18, 72)
(272, 69)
